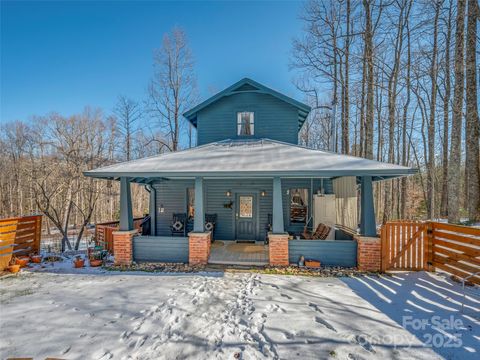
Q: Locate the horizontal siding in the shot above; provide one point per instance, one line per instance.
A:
(172, 194)
(328, 252)
(274, 119)
(160, 249)
(216, 199)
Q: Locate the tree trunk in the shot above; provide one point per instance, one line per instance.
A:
(369, 116)
(456, 133)
(446, 117)
(431, 122)
(472, 175)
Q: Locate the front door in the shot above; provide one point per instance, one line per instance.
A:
(245, 216)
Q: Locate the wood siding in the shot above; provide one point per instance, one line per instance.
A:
(274, 119)
(172, 194)
(328, 252)
(160, 249)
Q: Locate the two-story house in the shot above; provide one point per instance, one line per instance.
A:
(247, 180)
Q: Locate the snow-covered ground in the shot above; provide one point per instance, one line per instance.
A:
(94, 314)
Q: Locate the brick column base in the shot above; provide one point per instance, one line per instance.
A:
(369, 253)
(278, 249)
(199, 247)
(123, 247)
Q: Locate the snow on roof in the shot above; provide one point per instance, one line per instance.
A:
(257, 158)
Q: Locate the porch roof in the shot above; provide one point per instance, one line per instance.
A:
(249, 158)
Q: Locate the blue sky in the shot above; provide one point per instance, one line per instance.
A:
(62, 56)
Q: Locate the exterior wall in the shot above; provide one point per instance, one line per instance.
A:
(273, 118)
(172, 194)
(328, 252)
(160, 249)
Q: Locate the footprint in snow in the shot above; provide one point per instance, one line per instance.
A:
(141, 341)
(66, 350)
(315, 307)
(106, 355)
(286, 296)
(274, 286)
(325, 323)
(363, 342)
(288, 336)
(275, 308)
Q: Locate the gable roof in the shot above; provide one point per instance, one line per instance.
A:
(250, 158)
(249, 85)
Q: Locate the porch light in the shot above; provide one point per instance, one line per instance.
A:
(162, 209)
(228, 193)
(263, 193)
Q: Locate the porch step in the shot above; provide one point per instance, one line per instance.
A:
(238, 262)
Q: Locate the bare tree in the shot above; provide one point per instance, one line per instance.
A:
(128, 114)
(173, 87)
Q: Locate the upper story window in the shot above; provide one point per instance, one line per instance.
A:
(245, 123)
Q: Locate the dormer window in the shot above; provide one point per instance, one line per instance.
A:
(245, 123)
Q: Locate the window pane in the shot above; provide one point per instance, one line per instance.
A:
(298, 205)
(246, 206)
(190, 203)
(245, 123)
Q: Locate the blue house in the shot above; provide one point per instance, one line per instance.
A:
(248, 180)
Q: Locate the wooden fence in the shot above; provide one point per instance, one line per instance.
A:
(104, 232)
(19, 236)
(412, 245)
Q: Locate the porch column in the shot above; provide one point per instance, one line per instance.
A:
(199, 218)
(277, 213)
(126, 216)
(278, 238)
(367, 213)
(152, 209)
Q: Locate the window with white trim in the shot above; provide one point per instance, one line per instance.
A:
(245, 123)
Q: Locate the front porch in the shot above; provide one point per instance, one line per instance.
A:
(230, 252)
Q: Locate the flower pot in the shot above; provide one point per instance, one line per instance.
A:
(23, 261)
(36, 259)
(95, 262)
(78, 263)
(312, 263)
(13, 268)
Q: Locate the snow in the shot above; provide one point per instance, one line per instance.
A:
(97, 314)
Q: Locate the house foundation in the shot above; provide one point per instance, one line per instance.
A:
(123, 247)
(278, 249)
(199, 247)
(369, 253)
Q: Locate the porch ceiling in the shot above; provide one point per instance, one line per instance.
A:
(263, 158)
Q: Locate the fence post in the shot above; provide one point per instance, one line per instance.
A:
(38, 234)
(383, 239)
(428, 256)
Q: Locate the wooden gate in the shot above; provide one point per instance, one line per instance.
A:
(412, 245)
(406, 245)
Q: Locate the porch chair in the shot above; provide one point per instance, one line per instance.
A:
(179, 224)
(321, 233)
(210, 222)
(268, 227)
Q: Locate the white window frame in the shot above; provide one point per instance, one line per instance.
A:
(239, 122)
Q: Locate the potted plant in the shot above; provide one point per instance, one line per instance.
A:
(13, 268)
(22, 261)
(96, 260)
(78, 262)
